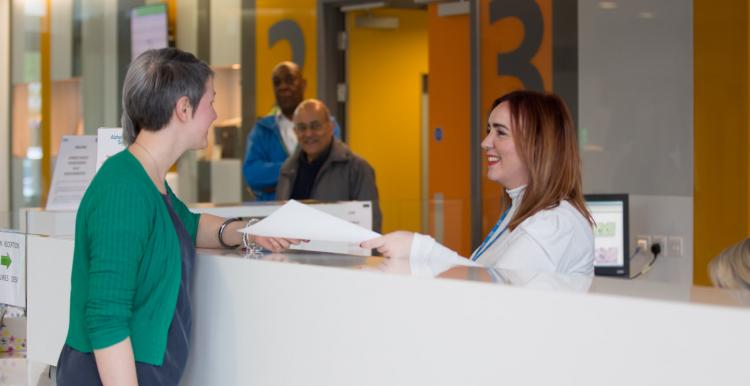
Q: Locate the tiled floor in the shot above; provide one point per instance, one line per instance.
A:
(15, 370)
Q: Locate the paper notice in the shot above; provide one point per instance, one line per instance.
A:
(74, 169)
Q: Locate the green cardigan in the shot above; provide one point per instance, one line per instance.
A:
(127, 265)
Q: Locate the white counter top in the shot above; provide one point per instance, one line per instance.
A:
(547, 281)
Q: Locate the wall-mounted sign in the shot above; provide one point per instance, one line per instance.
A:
(148, 28)
(13, 269)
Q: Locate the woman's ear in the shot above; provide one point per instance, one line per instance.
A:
(183, 109)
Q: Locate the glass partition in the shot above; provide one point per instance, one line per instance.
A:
(626, 70)
(26, 101)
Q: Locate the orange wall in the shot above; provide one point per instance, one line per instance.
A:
(267, 13)
(450, 110)
(503, 36)
(385, 68)
(722, 142)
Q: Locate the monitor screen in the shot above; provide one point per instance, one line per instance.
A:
(610, 213)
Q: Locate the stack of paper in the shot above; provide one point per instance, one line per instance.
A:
(295, 220)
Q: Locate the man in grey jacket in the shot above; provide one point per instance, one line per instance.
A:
(324, 168)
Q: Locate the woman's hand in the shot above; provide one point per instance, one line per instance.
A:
(396, 245)
(274, 244)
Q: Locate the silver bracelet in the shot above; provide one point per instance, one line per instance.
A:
(221, 232)
(249, 246)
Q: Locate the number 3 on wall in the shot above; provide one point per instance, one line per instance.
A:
(517, 63)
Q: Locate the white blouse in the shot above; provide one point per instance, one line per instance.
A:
(552, 240)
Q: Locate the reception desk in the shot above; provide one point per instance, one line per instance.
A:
(62, 223)
(324, 319)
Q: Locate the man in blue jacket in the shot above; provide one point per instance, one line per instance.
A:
(272, 139)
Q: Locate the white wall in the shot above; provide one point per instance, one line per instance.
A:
(187, 25)
(225, 32)
(62, 39)
(663, 216)
(636, 116)
(24, 24)
(4, 111)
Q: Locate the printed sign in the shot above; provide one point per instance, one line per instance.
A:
(74, 169)
(13, 269)
(148, 28)
(108, 143)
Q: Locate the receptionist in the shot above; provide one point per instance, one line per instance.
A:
(531, 150)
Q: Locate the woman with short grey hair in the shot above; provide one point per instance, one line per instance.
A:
(135, 241)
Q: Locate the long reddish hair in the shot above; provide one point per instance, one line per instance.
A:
(547, 143)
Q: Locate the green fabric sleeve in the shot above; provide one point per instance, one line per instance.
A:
(118, 226)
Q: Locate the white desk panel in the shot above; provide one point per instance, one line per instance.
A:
(49, 262)
(265, 323)
(324, 319)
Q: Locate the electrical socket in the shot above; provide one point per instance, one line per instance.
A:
(674, 246)
(661, 240)
(644, 242)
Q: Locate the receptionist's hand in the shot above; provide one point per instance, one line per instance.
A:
(275, 244)
(396, 245)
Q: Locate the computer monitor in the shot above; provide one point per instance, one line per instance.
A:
(611, 236)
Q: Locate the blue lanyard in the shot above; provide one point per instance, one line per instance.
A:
(487, 241)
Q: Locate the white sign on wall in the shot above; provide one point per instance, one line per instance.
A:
(148, 28)
(108, 143)
(74, 169)
(13, 269)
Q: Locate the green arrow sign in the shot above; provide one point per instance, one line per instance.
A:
(5, 260)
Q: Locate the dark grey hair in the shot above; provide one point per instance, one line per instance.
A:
(155, 81)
